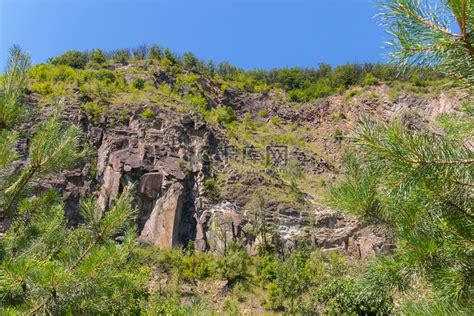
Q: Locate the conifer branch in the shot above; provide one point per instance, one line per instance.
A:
(430, 25)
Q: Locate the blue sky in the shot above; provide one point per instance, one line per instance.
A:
(249, 34)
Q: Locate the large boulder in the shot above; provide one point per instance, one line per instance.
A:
(162, 228)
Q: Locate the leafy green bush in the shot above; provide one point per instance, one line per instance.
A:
(94, 110)
(267, 268)
(121, 56)
(275, 120)
(370, 80)
(263, 113)
(298, 95)
(43, 88)
(349, 297)
(138, 83)
(52, 73)
(102, 75)
(234, 266)
(199, 103)
(222, 115)
(97, 56)
(321, 89)
(148, 114)
(212, 189)
(353, 93)
(155, 52)
(72, 58)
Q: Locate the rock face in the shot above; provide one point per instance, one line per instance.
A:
(162, 227)
(167, 161)
(168, 158)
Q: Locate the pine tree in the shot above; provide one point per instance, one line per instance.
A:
(417, 184)
(420, 186)
(46, 267)
(432, 32)
(13, 85)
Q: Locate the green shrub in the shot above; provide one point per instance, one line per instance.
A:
(222, 115)
(52, 73)
(298, 95)
(93, 109)
(138, 83)
(321, 89)
(170, 56)
(43, 88)
(189, 79)
(121, 56)
(263, 113)
(353, 93)
(338, 135)
(102, 75)
(224, 87)
(275, 120)
(212, 189)
(155, 52)
(275, 297)
(163, 305)
(373, 96)
(148, 114)
(97, 56)
(267, 267)
(72, 58)
(199, 103)
(166, 89)
(349, 297)
(262, 88)
(166, 64)
(234, 266)
(370, 80)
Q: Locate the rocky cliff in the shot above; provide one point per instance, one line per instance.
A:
(169, 156)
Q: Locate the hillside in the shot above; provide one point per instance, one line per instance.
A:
(223, 157)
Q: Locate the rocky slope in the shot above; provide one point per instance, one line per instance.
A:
(196, 181)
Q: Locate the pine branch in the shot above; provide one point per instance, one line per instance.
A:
(440, 162)
(431, 26)
(17, 189)
(449, 202)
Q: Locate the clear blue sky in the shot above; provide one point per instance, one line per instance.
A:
(249, 34)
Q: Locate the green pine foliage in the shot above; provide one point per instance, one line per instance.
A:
(426, 33)
(54, 148)
(418, 184)
(72, 58)
(45, 267)
(13, 87)
(422, 192)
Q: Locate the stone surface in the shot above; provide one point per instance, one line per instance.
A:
(169, 157)
(162, 228)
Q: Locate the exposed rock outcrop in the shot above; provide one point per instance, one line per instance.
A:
(168, 159)
(162, 227)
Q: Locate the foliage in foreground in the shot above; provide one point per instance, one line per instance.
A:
(423, 194)
(432, 34)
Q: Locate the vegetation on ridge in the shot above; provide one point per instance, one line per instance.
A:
(395, 177)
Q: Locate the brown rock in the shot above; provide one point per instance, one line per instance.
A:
(150, 184)
(162, 228)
